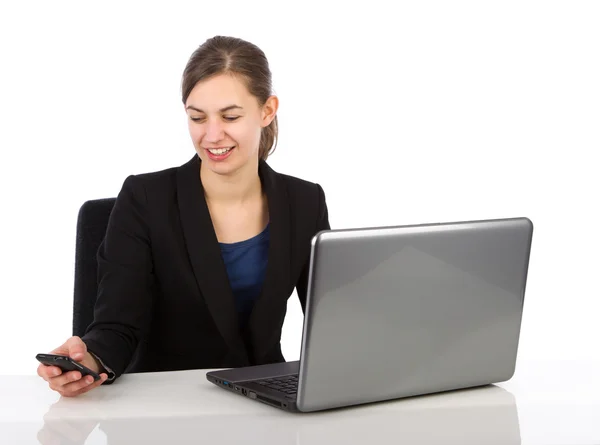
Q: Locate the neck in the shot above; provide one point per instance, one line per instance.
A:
(236, 188)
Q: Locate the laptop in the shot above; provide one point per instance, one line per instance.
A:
(402, 311)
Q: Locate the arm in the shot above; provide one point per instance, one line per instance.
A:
(125, 275)
(322, 224)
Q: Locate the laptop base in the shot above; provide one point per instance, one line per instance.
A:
(245, 382)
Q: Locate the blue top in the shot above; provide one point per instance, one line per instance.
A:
(246, 263)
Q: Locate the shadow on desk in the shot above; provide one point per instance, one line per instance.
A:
(475, 416)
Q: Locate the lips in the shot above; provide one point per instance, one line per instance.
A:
(219, 151)
(219, 154)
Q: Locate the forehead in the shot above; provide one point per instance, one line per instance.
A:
(220, 91)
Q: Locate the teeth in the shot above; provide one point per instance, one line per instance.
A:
(219, 151)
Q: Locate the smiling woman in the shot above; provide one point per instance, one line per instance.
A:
(224, 117)
(199, 260)
(242, 70)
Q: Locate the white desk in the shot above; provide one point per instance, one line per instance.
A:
(545, 403)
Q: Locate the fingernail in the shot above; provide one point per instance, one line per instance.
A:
(55, 372)
(89, 379)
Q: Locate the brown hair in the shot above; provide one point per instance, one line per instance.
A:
(230, 55)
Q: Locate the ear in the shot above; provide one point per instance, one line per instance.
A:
(269, 110)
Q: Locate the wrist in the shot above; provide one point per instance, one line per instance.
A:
(102, 368)
(96, 366)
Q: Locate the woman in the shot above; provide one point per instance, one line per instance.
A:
(199, 261)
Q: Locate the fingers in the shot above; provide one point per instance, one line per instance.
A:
(57, 383)
(81, 386)
(48, 372)
(76, 348)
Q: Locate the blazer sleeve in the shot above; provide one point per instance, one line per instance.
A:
(322, 223)
(125, 275)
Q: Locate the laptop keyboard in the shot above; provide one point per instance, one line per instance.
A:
(287, 384)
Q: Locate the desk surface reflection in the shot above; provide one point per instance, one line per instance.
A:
(182, 407)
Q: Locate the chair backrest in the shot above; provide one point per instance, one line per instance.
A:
(92, 222)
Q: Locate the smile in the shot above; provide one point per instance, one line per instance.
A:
(219, 151)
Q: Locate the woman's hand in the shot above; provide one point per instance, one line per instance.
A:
(72, 383)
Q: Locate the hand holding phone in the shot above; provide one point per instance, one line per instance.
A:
(70, 369)
(66, 364)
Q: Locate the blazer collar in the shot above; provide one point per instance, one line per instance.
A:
(209, 269)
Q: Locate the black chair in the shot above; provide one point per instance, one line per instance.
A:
(92, 222)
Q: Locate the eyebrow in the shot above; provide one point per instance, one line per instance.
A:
(222, 110)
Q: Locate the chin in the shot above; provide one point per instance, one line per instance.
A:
(228, 166)
(221, 168)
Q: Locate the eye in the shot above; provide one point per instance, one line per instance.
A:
(231, 118)
(196, 119)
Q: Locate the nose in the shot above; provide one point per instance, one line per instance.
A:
(214, 131)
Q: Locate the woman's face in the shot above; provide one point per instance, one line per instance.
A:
(225, 123)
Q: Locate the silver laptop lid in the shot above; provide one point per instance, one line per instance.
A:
(400, 311)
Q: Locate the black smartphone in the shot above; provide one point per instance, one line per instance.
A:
(66, 363)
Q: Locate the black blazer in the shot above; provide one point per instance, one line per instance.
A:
(164, 300)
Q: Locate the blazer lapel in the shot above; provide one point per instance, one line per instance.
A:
(205, 255)
(269, 309)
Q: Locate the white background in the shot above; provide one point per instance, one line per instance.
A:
(410, 113)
